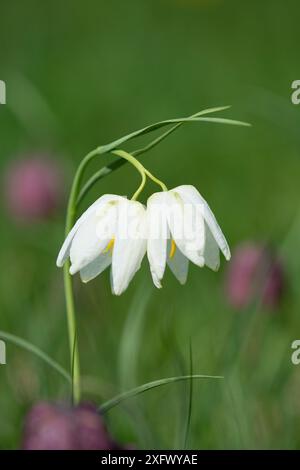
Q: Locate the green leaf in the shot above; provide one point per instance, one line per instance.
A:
(224, 121)
(190, 401)
(22, 343)
(104, 171)
(153, 127)
(149, 386)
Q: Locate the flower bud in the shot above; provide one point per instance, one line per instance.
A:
(255, 273)
(50, 426)
(33, 188)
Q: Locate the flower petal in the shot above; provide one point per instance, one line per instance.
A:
(93, 236)
(65, 249)
(179, 265)
(190, 193)
(96, 267)
(188, 235)
(157, 226)
(211, 251)
(130, 245)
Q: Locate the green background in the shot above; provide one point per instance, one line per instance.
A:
(81, 74)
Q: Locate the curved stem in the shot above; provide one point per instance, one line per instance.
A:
(68, 284)
(156, 180)
(117, 164)
(69, 295)
(137, 165)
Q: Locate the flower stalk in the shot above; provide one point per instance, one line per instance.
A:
(78, 193)
(68, 284)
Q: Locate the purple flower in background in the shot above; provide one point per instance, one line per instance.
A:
(50, 426)
(33, 188)
(254, 273)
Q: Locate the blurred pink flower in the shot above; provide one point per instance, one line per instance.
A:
(255, 273)
(33, 188)
(50, 426)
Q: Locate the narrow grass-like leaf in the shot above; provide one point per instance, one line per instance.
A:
(174, 128)
(232, 122)
(22, 343)
(104, 171)
(153, 127)
(190, 400)
(149, 386)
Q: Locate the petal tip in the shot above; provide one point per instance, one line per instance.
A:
(73, 269)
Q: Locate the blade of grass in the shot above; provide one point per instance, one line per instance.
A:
(22, 343)
(149, 386)
(232, 122)
(153, 127)
(190, 400)
(104, 171)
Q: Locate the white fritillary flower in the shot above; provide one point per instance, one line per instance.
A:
(110, 232)
(182, 228)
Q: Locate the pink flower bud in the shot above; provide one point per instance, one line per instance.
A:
(33, 188)
(49, 426)
(255, 273)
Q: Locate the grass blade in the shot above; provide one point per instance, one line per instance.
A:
(153, 127)
(149, 386)
(224, 121)
(104, 171)
(22, 343)
(190, 401)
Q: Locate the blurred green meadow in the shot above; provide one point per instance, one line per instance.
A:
(81, 74)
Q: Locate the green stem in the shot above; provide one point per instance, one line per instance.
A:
(156, 180)
(137, 165)
(69, 295)
(117, 164)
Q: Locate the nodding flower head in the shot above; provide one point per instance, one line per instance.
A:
(182, 228)
(111, 232)
(176, 227)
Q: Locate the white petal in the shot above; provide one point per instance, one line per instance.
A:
(191, 194)
(93, 236)
(189, 242)
(129, 248)
(157, 237)
(96, 267)
(65, 249)
(211, 251)
(179, 265)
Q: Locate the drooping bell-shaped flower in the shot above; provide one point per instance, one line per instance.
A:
(182, 228)
(112, 231)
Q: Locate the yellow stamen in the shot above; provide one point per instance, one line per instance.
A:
(173, 249)
(110, 246)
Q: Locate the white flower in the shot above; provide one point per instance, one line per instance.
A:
(110, 231)
(181, 227)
